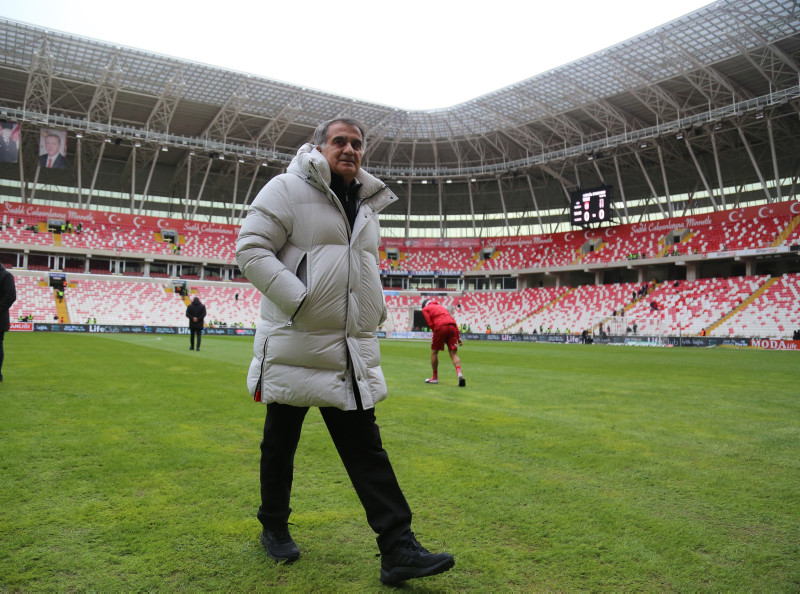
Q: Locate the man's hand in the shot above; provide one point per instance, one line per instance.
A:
(460, 342)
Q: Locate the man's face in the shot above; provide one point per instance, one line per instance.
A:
(343, 150)
(52, 144)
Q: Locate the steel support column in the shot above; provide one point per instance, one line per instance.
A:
(472, 208)
(700, 172)
(719, 169)
(757, 169)
(535, 204)
(778, 196)
(622, 190)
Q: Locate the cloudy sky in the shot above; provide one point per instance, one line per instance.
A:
(415, 54)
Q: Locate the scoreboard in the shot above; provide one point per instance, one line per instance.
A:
(591, 206)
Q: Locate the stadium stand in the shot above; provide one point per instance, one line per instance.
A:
(121, 302)
(728, 305)
(739, 229)
(34, 298)
(775, 312)
(749, 306)
(578, 308)
(224, 307)
(687, 307)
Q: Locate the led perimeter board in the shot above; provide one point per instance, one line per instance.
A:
(591, 206)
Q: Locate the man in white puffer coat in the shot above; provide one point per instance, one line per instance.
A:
(309, 243)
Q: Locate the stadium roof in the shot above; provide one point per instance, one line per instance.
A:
(700, 113)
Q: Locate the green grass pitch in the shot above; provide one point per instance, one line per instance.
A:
(131, 463)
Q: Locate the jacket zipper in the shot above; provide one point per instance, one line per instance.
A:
(291, 319)
(257, 393)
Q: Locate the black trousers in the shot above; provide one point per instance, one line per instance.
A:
(357, 439)
(2, 352)
(195, 332)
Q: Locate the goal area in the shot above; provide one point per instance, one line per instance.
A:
(631, 327)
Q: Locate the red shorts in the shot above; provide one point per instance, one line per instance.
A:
(446, 335)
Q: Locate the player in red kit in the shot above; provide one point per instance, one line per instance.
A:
(445, 332)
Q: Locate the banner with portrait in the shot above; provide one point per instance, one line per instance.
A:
(9, 142)
(52, 148)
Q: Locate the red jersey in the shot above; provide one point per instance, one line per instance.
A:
(437, 316)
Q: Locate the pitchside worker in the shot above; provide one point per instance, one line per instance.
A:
(445, 332)
(8, 295)
(196, 312)
(310, 244)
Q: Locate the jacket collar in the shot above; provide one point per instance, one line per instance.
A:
(311, 165)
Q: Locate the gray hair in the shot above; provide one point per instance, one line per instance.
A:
(321, 133)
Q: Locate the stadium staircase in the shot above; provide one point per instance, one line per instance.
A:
(783, 235)
(482, 262)
(743, 305)
(604, 322)
(61, 307)
(580, 257)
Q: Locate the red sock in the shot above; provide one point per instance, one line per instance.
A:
(458, 370)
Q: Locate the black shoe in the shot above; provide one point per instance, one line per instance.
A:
(191, 348)
(280, 545)
(461, 381)
(409, 560)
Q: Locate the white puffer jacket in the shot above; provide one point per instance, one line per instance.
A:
(322, 298)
